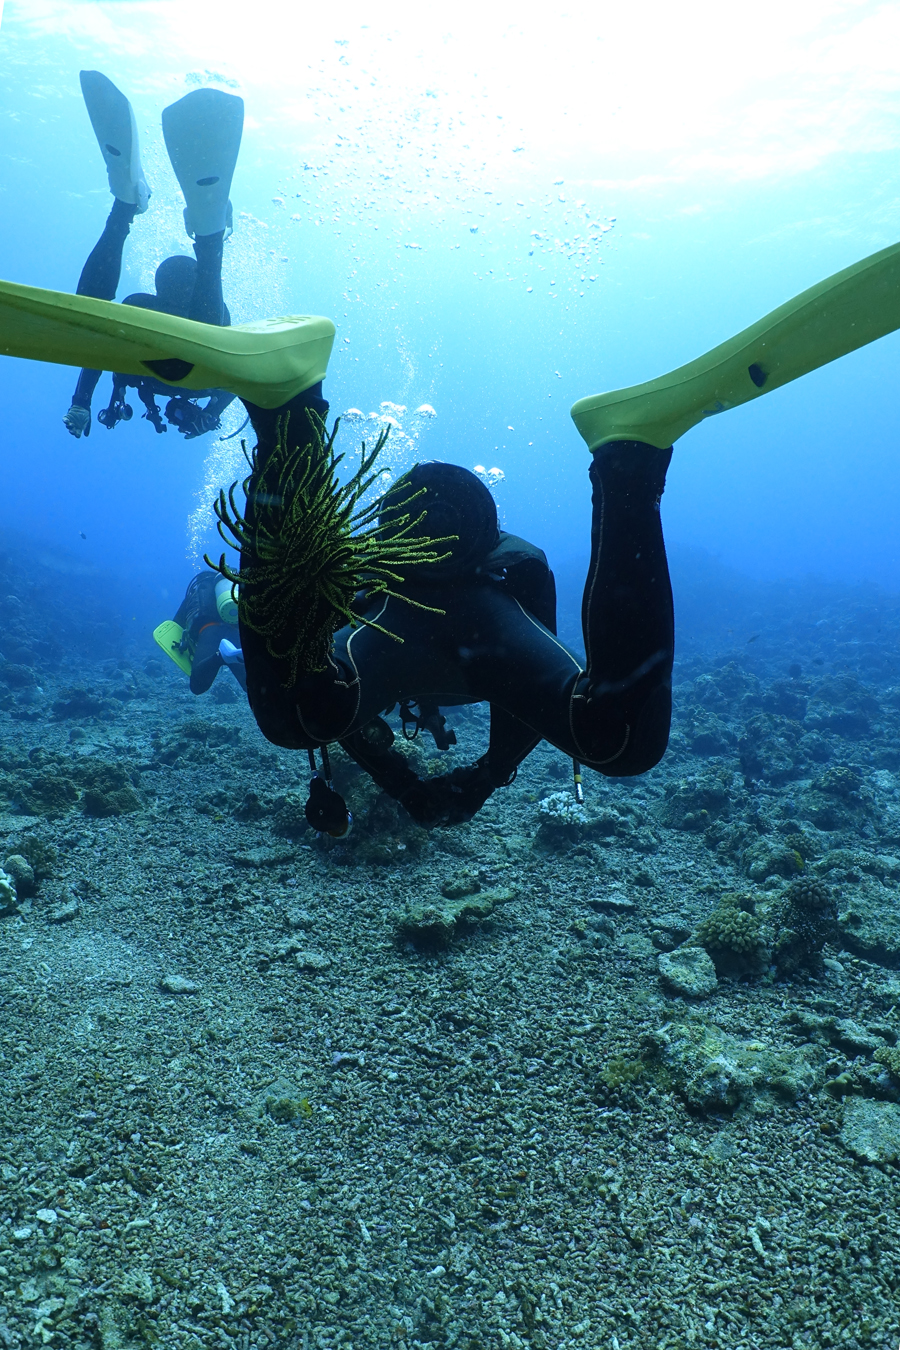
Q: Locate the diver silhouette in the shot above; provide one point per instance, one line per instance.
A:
(204, 633)
(203, 135)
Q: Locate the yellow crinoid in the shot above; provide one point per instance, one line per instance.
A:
(308, 546)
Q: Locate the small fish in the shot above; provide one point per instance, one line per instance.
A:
(83, 535)
(752, 639)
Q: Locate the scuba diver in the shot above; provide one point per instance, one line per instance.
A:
(202, 132)
(204, 636)
(347, 608)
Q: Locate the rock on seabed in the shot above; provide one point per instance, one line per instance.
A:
(688, 971)
(715, 1071)
(871, 1129)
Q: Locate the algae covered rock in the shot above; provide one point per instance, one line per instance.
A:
(108, 791)
(871, 1129)
(715, 1071)
(287, 1110)
(688, 971)
(22, 874)
(764, 859)
(40, 855)
(870, 925)
(692, 803)
(285, 1102)
(79, 702)
(889, 1056)
(462, 884)
(726, 689)
(137, 1285)
(838, 800)
(178, 984)
(769, 749)
(312, 962)
(435, 923)
(803, 920)
(708, 735)
(47, 794)
(290, 816)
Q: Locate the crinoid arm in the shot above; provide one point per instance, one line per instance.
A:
(308, 547)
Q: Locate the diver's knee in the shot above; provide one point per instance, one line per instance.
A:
(650, 733)
(641, 736)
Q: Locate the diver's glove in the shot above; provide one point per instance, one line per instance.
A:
(450, 798)
(77, 421)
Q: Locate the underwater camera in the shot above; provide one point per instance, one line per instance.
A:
(118, 411)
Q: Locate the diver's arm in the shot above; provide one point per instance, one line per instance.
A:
(193, 419)
(209, 417)
(447, 799)
(78, 419)
(219, 401)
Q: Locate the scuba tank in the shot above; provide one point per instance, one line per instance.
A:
(226, 602)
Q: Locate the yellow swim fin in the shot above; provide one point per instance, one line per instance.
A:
(846, 311)
(266, 362)
(169, 635)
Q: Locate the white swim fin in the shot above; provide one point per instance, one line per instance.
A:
(202, 132)
(112, 118)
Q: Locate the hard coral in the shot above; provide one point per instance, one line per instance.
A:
(733, 937)
(804, 921)
(729, 930)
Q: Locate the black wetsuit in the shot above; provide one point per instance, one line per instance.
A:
(201, 299)
(198, 615)
(488, 646)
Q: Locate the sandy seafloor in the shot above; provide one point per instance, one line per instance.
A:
(333, 1137)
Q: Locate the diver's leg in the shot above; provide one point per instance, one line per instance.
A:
(100, 279)
(202, 132)
(207, 302)
(614, 716)
(511, 741)
(472, 643)
(100, 274)
(485, 645)
(621, 707)
(269, 684)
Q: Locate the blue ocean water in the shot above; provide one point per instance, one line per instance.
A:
(498, 225)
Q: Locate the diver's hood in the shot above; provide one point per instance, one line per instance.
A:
(452, 502)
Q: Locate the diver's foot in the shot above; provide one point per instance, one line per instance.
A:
(208, 247)
(225, 233)
(630, 470)
(112, 118)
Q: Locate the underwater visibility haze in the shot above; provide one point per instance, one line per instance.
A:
(611, 1065)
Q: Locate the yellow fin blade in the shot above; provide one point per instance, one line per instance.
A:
(168, 636)
(267, 362)
(845, 311)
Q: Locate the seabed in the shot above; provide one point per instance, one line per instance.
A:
(432, 1090)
